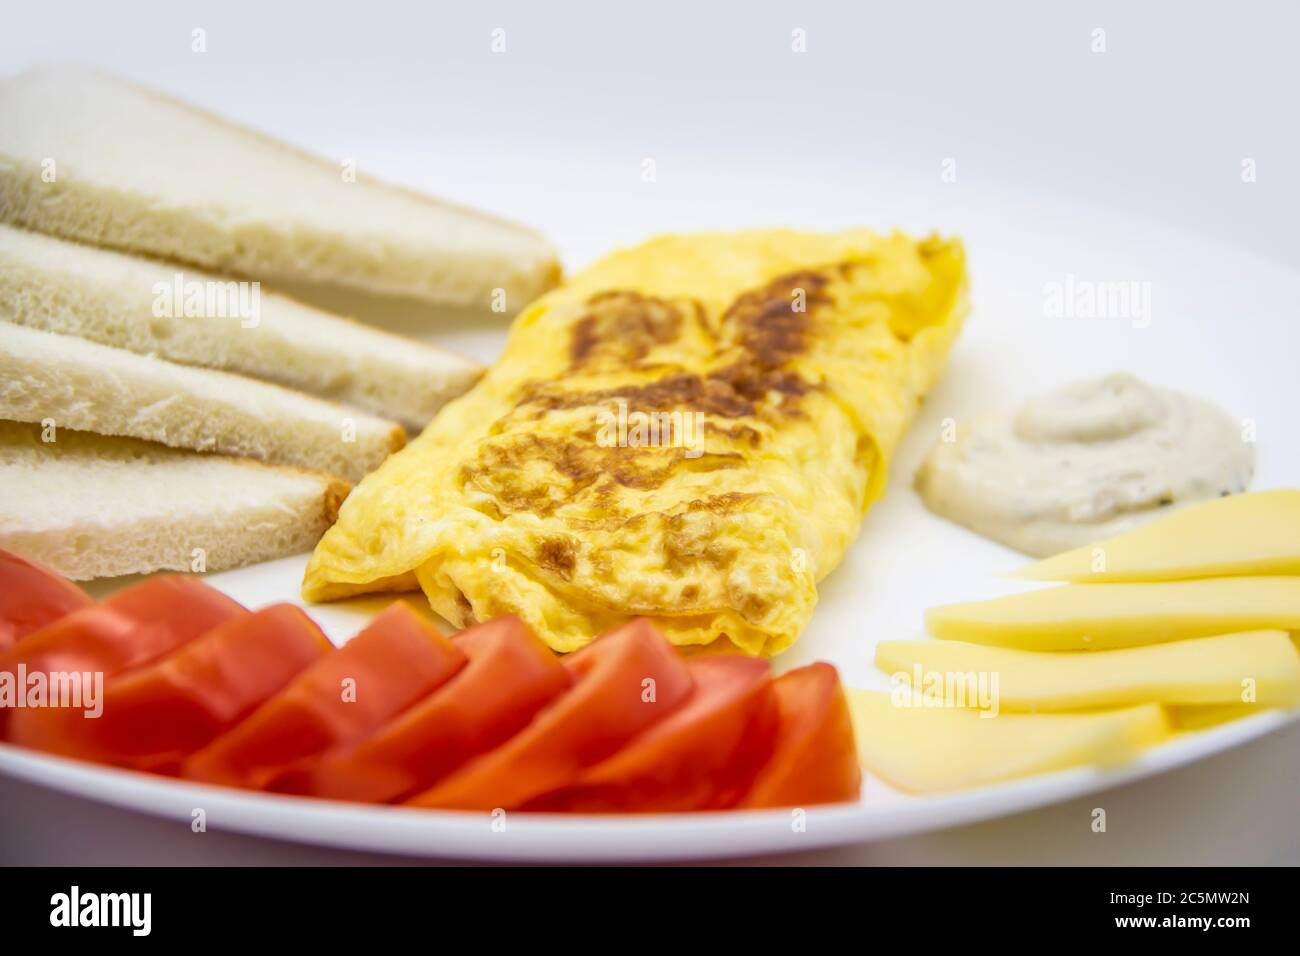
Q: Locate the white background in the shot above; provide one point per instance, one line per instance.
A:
(1158, 124)
(1155, 129)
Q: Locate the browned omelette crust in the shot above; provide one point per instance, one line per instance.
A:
(756, 338)
(759, 333)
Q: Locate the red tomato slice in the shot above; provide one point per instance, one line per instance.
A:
(815, 760)
(155, 715)
(510, 676)
(395, 661)
(625, 682)
(702, 756)
(32, 596)
(134, 626)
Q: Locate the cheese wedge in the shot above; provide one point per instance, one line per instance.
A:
(92, 157)
(1098, 617)
(935, 749)
(1259, 665)
(1248, 534)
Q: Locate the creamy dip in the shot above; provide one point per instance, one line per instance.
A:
(1085, 462)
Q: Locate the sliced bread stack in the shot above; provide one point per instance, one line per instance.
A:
(159, 384)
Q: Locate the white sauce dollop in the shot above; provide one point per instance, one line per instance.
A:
(1085, 462)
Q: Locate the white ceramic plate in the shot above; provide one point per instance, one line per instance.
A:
(881, 814)
(1222, 324)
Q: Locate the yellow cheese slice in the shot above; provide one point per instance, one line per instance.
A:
(1256, 533)
(1080, 617)
(1263, 666)
(1204, 716)
(932, 749)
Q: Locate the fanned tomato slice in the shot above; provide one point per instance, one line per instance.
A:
(134, 626)
(702, 756)
(157, 714)
(509, 677)
(392, 663)
(815, 760)
(32, 596)
(625, 682)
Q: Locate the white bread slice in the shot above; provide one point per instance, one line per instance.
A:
(109, 297)
(95, 388)
(90, 506)
(138, 171)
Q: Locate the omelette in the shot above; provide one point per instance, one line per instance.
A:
(689, 430)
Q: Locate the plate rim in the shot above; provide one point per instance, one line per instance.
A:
(570, 838)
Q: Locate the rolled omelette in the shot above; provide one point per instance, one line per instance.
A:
(689, 430)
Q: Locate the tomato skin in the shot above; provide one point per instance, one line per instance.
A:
(157, 714)
(702, 756)
(814, 760)
(32, 596)
(605, 709)
(133, 627)
(392, 663)
(510, 675)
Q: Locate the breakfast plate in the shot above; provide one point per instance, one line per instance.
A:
(1214, 321)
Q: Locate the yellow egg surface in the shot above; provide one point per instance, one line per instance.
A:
(689, 430)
